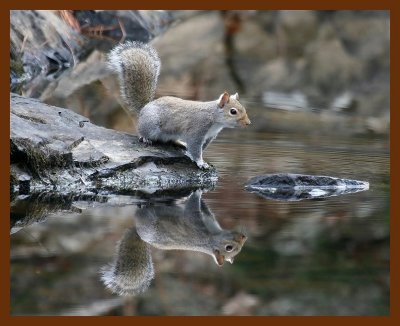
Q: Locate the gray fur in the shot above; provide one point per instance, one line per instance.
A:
(132, 271)
(138, 66)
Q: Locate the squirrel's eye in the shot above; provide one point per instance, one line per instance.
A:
(229, 248)
(233, 111)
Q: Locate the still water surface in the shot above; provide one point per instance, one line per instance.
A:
(311, 257)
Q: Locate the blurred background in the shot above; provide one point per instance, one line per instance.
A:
(332, 63)
(316, 85)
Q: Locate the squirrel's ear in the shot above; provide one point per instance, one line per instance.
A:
(223, 99)
(235, 96)
(219, 259)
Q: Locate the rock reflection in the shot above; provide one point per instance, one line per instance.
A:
(187, 225)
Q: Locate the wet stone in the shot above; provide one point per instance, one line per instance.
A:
(292, 187)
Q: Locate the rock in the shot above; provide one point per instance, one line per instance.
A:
(42, 43)
(344, 102)
(331, 67)
(379, 125)
(242, 304)
(285, 101)
(45, 43)
(296, 28)
(366, 36)
(292, 187)
(97, 308)
(56, 149)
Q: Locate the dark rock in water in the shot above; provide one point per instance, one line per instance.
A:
(292, 187)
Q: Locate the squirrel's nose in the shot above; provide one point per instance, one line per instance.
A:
(241, 238)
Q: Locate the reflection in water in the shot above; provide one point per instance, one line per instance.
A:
(301, 257)
(291, 194)
(188, 226)
(132, 271)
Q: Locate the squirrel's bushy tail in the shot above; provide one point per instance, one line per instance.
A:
(138, 67)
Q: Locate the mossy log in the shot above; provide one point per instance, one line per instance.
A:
(55, 149)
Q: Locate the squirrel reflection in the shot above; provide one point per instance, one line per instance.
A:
(188, 226)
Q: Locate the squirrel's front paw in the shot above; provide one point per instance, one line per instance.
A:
(145, 141)
(202, 165)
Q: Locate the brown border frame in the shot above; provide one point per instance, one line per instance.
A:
(393, 6)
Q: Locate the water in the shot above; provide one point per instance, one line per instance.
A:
(312, 257)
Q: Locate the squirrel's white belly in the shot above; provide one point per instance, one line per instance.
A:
(213, 131)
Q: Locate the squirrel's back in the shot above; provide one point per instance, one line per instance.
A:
(138, 66)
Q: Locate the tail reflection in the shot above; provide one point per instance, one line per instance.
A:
(132, 271)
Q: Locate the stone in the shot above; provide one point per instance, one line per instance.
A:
(293, 187)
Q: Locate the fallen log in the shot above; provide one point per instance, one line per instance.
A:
(55, 149)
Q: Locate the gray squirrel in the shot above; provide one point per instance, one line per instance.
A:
(170, 119)
(187, 225)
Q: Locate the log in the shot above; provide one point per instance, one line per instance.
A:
(54, 149)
